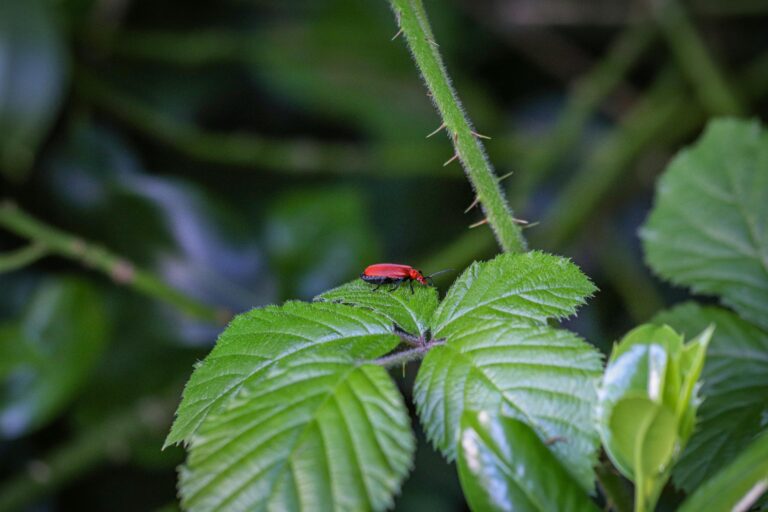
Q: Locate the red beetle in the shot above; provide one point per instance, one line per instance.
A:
(393, 273)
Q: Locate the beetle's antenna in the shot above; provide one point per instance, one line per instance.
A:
(439, 272)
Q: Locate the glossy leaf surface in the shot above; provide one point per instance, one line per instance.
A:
(504, 465)
(542, 376)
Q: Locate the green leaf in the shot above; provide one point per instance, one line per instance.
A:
(735, 390)
(531, 287)
(256, 340)
(737, 486)
(49, 353)
(503, 465)
(539, 375)
(314, 433)
(410, 311)
(33, 67)
(709, 227)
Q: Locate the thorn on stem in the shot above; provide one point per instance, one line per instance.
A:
(397, 34)
(479, 135)
(522, 222)
(554, 439)
(474, 203)
(439, 128)
(454, 157)
(432, 42)
(479, 223)
(502, 178)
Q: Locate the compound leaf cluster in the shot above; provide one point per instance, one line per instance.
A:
(291, 410)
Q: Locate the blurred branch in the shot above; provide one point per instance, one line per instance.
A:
(589, 92)
(104, 442)
(120, 270)
(20, 258)
(662, 115)
(694, 59)
(415, 27)
(297, 156)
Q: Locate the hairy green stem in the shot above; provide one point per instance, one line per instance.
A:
(654, 122)
(120, 270)
(692, 55)
(588, 94)
(468, 149)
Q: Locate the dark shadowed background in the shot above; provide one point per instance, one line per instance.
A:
(246, 152)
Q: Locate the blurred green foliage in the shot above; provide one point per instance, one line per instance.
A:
(245, 152)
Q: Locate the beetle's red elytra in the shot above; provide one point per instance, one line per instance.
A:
(395, 274)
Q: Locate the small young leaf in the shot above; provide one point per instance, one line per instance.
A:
(410, 311)
(735, 390)
(646, 404)
(530, 287)
(709, 227)
(314, 433)
(642, 427)
(254, 341)
(539, 375)
(737, 486)
(504, 465)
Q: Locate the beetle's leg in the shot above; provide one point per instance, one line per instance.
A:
(411, 283)
(377, 286)
(395, 286)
